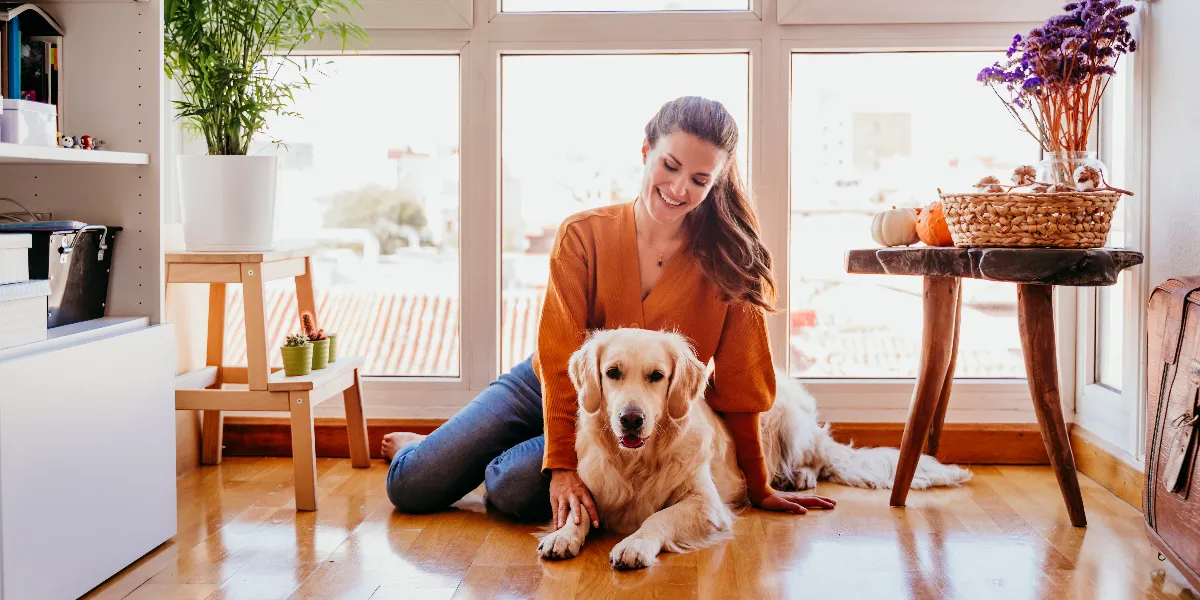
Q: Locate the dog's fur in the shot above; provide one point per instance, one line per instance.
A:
(672, 481)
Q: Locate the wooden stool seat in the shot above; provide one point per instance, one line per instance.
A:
(257, 387)
(1035, 271)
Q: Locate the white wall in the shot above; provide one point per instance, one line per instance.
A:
(1174, 247)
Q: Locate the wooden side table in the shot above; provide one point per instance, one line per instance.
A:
(205, 389)
(1035, 271)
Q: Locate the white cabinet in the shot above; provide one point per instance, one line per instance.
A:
(87, 456)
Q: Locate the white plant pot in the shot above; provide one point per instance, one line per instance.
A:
(228, 202)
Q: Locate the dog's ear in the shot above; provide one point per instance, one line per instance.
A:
(584, 368)
(687, 381)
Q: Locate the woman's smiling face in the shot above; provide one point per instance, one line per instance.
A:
(680, 170)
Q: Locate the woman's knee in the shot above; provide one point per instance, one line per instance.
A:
(516, 487)
(406, 491)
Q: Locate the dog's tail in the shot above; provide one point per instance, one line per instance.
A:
(876, 467)
(798, 451)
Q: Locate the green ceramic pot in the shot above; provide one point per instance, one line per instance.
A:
(320, 355)
(297, 360)
(332, 347)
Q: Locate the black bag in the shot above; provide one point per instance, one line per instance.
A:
(77, 259)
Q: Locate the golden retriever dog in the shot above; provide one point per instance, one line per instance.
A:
(660, 463)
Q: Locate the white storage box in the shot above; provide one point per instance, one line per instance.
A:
(14, 256)
(29, 123)
(23, 312)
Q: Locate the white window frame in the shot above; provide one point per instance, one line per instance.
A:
(1118, 416)
(770, 44)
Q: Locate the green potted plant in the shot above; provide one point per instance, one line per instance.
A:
(217, 52)
(297, 355)
(318, 339)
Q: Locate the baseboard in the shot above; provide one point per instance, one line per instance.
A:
(1107, 466)
(962, 443)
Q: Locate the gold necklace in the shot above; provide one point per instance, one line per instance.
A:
(639, 233)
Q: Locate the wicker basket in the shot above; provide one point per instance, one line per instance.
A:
(1019, 219)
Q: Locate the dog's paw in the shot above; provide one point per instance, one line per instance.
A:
(562, 544)
(634, 553)
(806, 479)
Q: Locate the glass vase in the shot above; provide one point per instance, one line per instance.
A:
(1058, 168)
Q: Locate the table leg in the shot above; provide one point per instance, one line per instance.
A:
(941, 296)
(939, 417)
(1035, 316)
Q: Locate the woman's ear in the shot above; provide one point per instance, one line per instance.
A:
(645, 150)
(584, 368)
(687, 382)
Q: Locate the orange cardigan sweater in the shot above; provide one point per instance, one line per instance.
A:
(594, 284)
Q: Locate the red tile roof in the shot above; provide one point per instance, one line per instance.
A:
(399, 333)
(414, 334)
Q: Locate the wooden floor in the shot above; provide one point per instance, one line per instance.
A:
(1004, 535)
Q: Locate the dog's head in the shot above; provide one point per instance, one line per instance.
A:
(633, 377)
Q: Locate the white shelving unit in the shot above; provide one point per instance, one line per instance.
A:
(16, 154)
(74, 514)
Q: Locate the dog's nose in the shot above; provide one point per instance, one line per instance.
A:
(631, 418)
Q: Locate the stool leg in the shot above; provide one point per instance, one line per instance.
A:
(304, 451)
(212, 432)
(356, 425)
(938, 306)
(939, 417)
(1035, 316)
(305, 295)
(254, 305)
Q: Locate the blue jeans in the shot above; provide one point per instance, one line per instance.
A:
(496, 439)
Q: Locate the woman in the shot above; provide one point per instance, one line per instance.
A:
(692, 237)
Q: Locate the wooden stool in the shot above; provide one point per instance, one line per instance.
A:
(204, 389)
(1035, 271)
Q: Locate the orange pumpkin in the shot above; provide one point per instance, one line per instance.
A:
(931, 225)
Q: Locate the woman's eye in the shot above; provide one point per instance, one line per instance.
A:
(613, 373)
(655, 376)
(669, 167)
(700, 183)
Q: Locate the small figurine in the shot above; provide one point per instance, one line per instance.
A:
(66, 141)
(97, 144)
(85, 142)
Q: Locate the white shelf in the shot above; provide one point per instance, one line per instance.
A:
(76, 334)
(17, 154)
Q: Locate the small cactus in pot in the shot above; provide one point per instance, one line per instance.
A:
(297, 355)
(318, 339)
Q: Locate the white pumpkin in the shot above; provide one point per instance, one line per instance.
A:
(895, 227)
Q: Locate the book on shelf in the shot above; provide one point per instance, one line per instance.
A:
(31, 55)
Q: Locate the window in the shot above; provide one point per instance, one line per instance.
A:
(572, 131)
(370, 173)
(514, 114)
(876, 130)
(620, 5)
(1110, 339)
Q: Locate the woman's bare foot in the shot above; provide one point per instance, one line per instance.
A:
(394, 441)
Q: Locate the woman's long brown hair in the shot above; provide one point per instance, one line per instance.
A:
(723, 230)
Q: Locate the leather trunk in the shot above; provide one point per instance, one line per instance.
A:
(1171, 499)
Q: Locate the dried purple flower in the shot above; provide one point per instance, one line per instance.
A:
(1053, 77)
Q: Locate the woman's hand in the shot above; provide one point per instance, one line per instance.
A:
(568, 494)
(793, 502)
